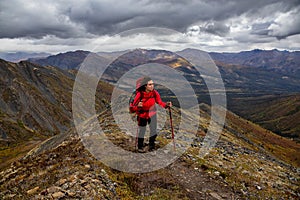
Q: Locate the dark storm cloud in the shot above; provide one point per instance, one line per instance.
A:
(216, 28)
(113, 17)
(34, 19)
(71, 19)
(283, 21)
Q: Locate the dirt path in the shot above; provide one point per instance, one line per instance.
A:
(198, 184)
(190, 182)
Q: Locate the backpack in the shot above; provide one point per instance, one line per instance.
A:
(133, 95)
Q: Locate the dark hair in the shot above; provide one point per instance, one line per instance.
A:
(144, 83)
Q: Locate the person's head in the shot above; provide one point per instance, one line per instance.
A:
(147, 84)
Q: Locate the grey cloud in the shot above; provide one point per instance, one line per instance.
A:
(216, 28)
(286, 23)
(34, 19)
(66, 19)
(260, 28)
(113, 17)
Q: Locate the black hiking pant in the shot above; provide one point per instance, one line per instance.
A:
(142, 123)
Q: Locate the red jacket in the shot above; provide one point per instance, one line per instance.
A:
(149, 99)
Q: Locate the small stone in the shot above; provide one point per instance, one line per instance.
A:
(258, 187)
(53, 189)
(58, 195)
(10, 196)
(88, 187)
(246, 172)
(71, 194)
(216, 196)
(217, 173)
(32, 191)
(62, 181)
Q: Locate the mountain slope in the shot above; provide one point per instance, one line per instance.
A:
(68, 60)
(240, 166)
(35, 103)
(37, 96)
(282, 115)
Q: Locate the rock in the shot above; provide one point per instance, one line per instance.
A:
(217, 173)
(245, 172)
(33, 191)
(216, 196)
(258, 187)
(58, 195)
(71, 194)
(62, 181)
(10, 196)
(87, 166)
(53, 189)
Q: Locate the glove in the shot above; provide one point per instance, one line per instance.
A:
(169, 104)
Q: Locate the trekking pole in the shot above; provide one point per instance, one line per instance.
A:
(170, 113)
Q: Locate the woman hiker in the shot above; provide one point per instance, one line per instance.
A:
(144, 106)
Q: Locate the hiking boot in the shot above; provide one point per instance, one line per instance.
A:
(151, 147)
(141, 151)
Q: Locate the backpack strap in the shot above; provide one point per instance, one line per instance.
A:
(141, 96)
(154, 91)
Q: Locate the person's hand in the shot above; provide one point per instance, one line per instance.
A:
(140, 104)
(169, 104)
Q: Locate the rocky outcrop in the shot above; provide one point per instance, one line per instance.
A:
(65, 172)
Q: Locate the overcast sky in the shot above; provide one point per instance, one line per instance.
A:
(111, 25)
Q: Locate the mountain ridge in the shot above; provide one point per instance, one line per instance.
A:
(19, 56)
(238, 166)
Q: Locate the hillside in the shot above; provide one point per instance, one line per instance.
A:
(282, 115)
(35, 104)
(244, 164)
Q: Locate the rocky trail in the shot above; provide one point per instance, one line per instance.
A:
(70, 172)
(62, 168)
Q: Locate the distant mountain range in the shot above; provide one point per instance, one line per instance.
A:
(18, 56)
(251, 73)
(246, 75)
(274, 60)
(68, 60)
